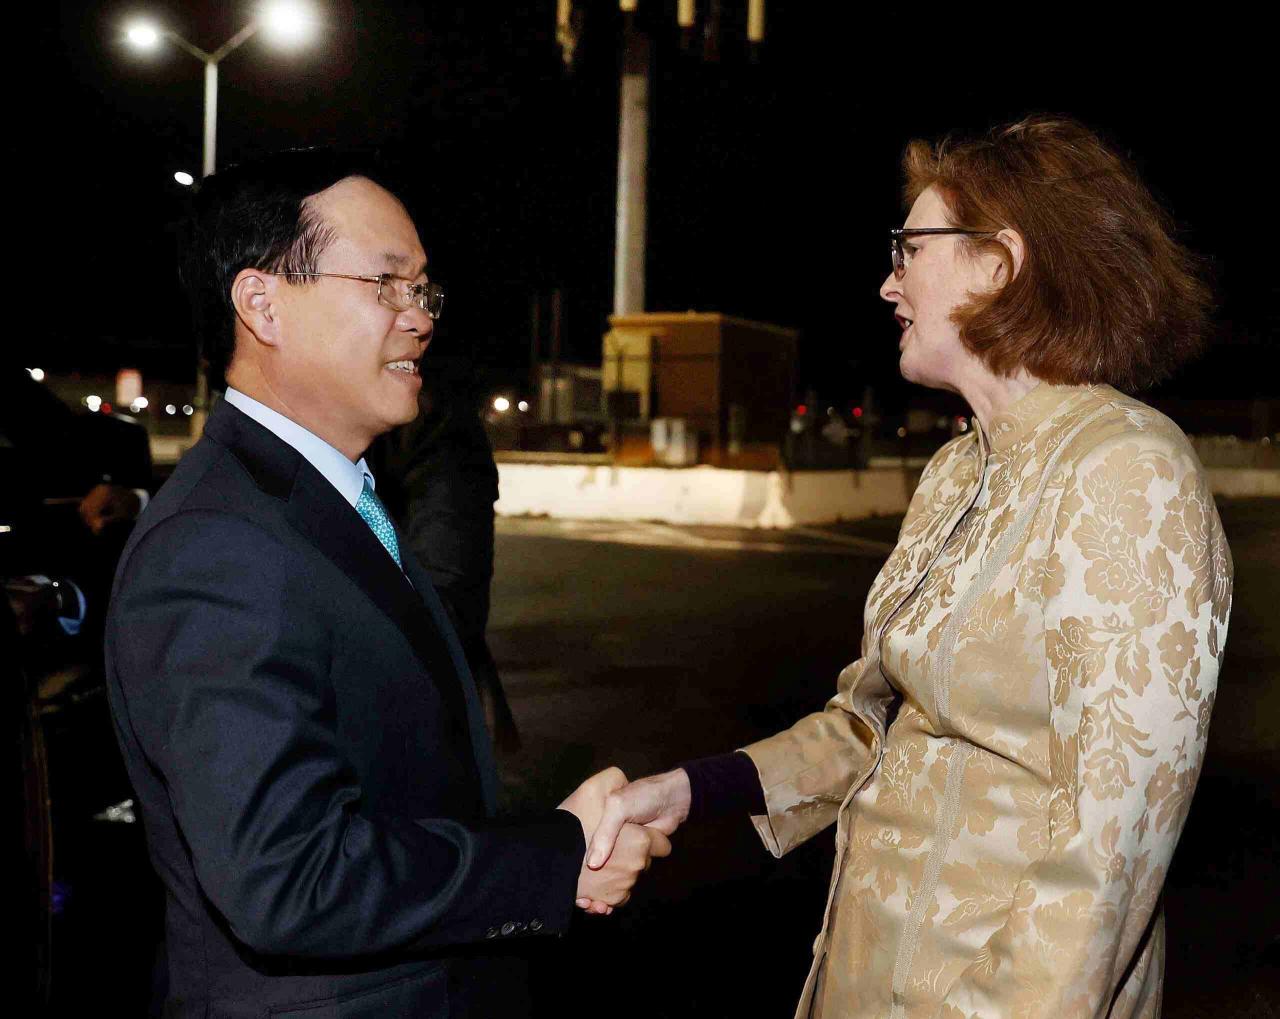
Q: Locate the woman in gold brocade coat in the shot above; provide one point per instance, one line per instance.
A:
(1010, 762)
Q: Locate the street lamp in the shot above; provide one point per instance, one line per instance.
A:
(289, 24)
(143, 35)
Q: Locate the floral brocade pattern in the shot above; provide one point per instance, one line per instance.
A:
(1050, 628)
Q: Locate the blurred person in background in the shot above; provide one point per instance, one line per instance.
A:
(72, 486)
(1011, 761)
(440, 480)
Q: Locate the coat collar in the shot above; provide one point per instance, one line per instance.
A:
(316, 509)
(1018, 422)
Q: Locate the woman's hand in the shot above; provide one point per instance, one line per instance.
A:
(602, 888)
(660, 802)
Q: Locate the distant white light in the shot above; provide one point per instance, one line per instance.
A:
(501, 404)
(143, 35)
(141, 403)
(287, 22)
(522, 406)
(121, 813)
(184, 178)
(93, 403)
(36, 373)
(902, 433)
(170, 409)
(188, 410)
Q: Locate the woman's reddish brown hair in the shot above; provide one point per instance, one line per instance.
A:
(1105, 293)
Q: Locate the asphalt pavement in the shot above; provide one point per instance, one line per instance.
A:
(643, 645)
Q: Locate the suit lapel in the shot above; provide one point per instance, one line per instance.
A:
(316, 510)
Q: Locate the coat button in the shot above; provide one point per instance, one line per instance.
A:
(535, 925)
(492, 932)
(508, 928)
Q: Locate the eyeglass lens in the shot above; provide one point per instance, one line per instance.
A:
(899, 262)
(403, 295)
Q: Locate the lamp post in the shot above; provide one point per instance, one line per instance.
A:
(289, 24)
(633, 123)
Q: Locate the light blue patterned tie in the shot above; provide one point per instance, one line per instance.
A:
(370, 507)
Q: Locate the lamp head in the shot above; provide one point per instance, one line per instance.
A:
(142, 35)
(287, 23)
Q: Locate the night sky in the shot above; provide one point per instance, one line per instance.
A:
(772, 182)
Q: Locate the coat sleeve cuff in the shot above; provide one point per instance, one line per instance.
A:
(541, 901)
(722, 786)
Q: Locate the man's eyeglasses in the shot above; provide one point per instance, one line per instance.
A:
(902, 257)
(395, 291)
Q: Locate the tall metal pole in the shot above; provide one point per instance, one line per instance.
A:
(557, 313)
(210, 163)
(633, 169)
(210, 117)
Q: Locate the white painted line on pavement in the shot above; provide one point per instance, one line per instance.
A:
(662, 536)
(866, 544)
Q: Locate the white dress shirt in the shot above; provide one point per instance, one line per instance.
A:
(340, 472)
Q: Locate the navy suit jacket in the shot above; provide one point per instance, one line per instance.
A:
(308, 753)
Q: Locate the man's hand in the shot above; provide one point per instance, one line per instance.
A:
(106, 504)
(601, 888)
(661, 802)
(587, 801)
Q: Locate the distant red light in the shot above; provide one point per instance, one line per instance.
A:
(105, 408)
(857, 412)
(802, 410)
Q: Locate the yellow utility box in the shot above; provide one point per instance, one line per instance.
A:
(730, 379)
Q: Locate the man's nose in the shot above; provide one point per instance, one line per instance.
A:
(415, 320)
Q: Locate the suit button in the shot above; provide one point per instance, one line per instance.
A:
(508, 928)
(535, 925)
(492, 932)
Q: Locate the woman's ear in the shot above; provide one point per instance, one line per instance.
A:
(253, 298)
(1015, 246)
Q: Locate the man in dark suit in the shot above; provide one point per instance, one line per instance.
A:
(294, 707)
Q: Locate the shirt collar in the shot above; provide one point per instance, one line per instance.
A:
(1011, 426)
(347, 477)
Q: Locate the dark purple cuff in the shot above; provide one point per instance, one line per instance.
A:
(723, 785)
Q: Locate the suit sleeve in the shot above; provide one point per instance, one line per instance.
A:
(232, 703)
(1136, 607)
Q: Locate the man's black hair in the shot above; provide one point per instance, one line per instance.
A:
(255, 215)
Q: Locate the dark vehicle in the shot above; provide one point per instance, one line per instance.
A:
(80, 878)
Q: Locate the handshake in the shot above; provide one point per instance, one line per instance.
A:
(625, 825)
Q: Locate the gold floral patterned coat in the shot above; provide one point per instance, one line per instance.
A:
(1053, 618)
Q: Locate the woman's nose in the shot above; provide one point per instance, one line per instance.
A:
(891, 288)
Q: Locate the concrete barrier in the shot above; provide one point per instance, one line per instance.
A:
(774, 499)
(1244, 482)
(700, 495)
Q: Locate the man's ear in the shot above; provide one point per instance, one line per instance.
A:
(253, 295)
(1016, 247)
